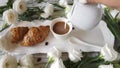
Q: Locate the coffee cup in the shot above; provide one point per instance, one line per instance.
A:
(58, 28)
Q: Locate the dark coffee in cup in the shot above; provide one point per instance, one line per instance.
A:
(59, 28)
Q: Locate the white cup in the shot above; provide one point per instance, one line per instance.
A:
(60, 36)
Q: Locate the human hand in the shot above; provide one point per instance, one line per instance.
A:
(110, 3)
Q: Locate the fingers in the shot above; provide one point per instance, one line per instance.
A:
(93, 1)
(110, 3)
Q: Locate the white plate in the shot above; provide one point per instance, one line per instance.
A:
(95, 39)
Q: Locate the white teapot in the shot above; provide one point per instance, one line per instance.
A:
(85, 16)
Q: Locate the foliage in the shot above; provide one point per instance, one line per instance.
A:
(112, 23)
(90, 62)
(4, 27)
(93, 62)
(8, 6)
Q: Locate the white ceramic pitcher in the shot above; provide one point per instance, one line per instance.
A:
(85, 16)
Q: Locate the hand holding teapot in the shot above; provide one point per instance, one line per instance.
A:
(85, 16)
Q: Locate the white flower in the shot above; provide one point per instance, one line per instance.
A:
(106, 66)
(75, 55)
(83, 1)
(10, 16)
(58, 63)
(108, 53)
(48, 10)
(24, 67)
(45, 15)
(27, 61)
(63, 3)
(68, 8)
(20, 6)
(114, 13)
(8, 61)
(54, 53)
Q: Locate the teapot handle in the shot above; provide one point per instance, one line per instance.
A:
(72, 9)
(102, 10)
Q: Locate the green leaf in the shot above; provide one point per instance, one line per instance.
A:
(10, 3)
(31, 14)
(6, 7)
(50, 60)
(86, 62)
(116, 65)
(57, 5)
(39, 1)
(111, 23)
(4, 27)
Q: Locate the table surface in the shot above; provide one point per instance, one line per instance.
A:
(36, 56)
(2, 2)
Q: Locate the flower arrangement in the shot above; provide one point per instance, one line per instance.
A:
(107, 58)
(9, 61)
(22, 10)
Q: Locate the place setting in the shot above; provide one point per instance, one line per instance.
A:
(56, 34)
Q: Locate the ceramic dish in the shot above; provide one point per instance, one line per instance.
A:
(90, 41)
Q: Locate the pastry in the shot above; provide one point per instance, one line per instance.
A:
(45, 30)
(35, 35)
(18, 33)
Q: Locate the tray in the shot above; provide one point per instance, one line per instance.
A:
(95, 39)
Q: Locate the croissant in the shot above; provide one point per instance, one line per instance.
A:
(17, 34)
(35, 35)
